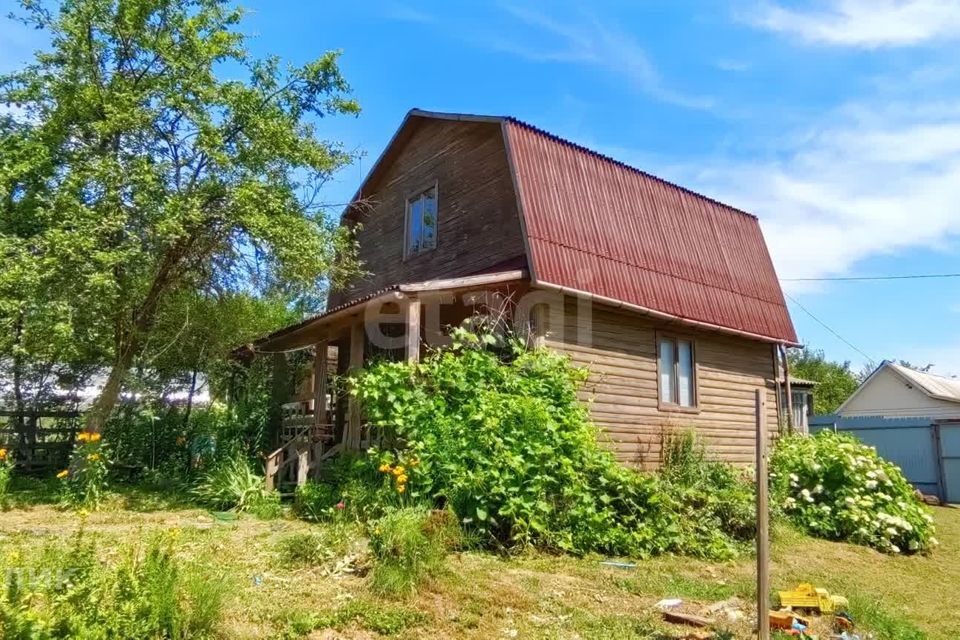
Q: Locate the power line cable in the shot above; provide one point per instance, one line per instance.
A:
(828, 328)
(917, 276)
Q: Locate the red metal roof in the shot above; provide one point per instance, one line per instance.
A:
(601, 227)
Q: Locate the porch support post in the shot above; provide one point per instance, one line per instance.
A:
(357, 332)
(320, 384)
(538, 325)
(412, 322)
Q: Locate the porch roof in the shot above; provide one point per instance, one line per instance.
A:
(305, 333)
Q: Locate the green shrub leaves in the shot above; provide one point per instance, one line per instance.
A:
(833, 486)
(505, 443)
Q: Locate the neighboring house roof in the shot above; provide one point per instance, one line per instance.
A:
(931, 385)
(802, 382)
(599, 227)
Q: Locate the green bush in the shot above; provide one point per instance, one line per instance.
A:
(833, 486)
(499, 435)
(319, 546)
(410, 545)
(353, 489)
(84, 483)
(316, 501)
(145, 596)
(6, 471)
(713, 494)
(233, 484)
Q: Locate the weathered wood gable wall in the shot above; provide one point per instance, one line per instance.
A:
(478, 226)
(622, 389)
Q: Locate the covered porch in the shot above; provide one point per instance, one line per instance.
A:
(321, 419)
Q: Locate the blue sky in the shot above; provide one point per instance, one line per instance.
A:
(836, 121)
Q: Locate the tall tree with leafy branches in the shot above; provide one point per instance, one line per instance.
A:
(146, 153)
(835, 381)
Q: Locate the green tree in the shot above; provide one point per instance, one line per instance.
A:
(835, 381)
(147, 156)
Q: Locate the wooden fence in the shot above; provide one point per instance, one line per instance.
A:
(41, 439)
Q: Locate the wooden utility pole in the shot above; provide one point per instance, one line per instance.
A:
(763, 522)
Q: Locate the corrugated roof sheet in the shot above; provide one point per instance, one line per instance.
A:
(602, 227)
(933, 385)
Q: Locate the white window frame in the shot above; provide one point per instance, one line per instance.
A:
(674, 374)
(407, 207)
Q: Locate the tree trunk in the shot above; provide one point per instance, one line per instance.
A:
(101, 408)
(189, 409)
(19, 406)
(128, 346)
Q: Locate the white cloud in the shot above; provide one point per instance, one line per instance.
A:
(732, 65)
(865, 181)
(864, 23)
(589, 41)
(404, 13)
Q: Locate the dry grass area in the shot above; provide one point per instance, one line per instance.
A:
(485, 596)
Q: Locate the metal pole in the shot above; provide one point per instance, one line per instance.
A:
(763, 523)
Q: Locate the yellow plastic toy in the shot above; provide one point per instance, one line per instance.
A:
(807, 596)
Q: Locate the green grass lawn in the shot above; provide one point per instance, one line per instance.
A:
(486, 596)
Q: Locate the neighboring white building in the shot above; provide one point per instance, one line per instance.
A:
(895, 391)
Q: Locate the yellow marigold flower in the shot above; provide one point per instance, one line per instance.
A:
(385, 468)
(3, 455)
(95, 437)
(399, 471)
(402, 479)
(83, 436)
(93, 457)
(401, 488)
(63, 474)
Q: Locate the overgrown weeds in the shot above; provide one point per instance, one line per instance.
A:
(410, 546)
(385, 620)
(148, 594)
(233, 484)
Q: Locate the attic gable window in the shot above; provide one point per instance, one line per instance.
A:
(421, 222)
(676, 369)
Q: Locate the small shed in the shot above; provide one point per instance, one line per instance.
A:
(913, 419)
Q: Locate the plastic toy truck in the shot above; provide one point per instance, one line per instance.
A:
(808, 597)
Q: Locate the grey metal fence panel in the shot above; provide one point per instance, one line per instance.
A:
(910, 443)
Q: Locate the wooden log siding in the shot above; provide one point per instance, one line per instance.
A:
(478, 225)
(622, 387)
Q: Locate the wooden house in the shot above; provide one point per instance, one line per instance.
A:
(668, 297)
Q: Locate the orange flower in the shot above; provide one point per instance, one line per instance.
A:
(95, 437)
(401, 488)
(385, 468)
(83, 436)
(3, 455)
(399, 471)
(63, 474)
